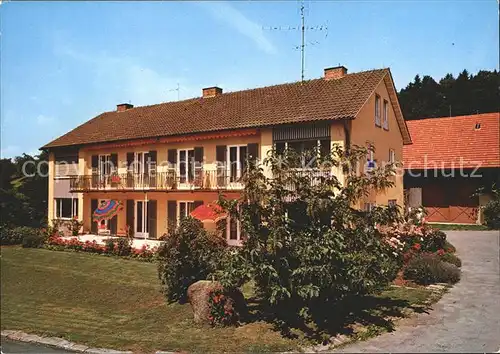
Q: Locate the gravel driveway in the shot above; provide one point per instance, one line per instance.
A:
(466, 319)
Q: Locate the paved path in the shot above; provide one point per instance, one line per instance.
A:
(9, 346)
(466, 319)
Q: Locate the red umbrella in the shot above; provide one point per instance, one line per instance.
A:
(209, 212)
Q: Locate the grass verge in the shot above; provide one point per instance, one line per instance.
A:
(116, 303)
(459, 227)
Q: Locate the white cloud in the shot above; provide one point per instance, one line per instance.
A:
(128, 80)
(224, 12)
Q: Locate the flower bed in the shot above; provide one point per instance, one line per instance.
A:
(116, 247)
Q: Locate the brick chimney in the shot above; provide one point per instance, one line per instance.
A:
(123, 107)
(212, 91)
(335, 73)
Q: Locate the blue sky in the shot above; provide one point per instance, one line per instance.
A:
(62, 63)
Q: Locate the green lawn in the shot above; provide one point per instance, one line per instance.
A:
(115, 303)
(459, 227)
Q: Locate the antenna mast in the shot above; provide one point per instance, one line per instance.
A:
(302, 28)
(302, 44)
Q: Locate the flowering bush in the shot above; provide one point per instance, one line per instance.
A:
(111, 247)
(221, 311)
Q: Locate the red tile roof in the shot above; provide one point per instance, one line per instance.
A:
(311, 100)
(452, 142)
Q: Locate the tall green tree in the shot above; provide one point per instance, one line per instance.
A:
(450, 96)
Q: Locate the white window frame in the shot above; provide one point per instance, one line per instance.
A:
(392, 156)
(178, 168)
(318, 146)
(58, 210)
(369, 206)
(237, 241)
(385, 115)
(104, 165)
(370, 156)
(178, 211)
(377, 110)
(238, 161)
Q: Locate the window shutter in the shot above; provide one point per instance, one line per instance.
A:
(113, 225)
(152, 163)
(220, 153)
(130, 160)
(95, 163)
(198, 154)
(171, 215)
(253, 151)
(220, 157)
(130, 216)
(114, 163)
(172, 157)
(93, 224)
(152, 218)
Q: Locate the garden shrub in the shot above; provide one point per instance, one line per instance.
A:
(187, 255)
(427, 269)
(27, 236)
(306, 248)
(9, 237)
(123, 246)
(451, 258)
(491, 212)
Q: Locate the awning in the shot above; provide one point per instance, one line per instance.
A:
(107, 210)
(209, 212)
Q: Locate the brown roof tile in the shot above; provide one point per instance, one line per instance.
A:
(454, 142)
(311, 100)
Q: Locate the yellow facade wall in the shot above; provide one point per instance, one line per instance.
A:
(364, 132)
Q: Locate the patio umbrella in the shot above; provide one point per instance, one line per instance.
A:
(107, 210)
(209, 212)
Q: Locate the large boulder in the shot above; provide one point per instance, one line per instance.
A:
(198, 294)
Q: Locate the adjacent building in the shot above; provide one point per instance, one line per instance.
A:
(163, 160)
(449, 160)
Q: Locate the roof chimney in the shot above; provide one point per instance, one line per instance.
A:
(335, 73)
(123, 107)
(212, 91)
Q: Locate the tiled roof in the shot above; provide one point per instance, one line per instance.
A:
(311, 100)
(452, 142)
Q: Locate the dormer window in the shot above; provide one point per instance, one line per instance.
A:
(477, 126)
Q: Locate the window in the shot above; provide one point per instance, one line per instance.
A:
(184, 208)
(105, 165)
(385, 117)
(392, 202)
(305, 148)
(233, 231)
(237, 157)
(369, 206)
(392, 156)
(66, 208)
(186, 165)
(377, 110)
(370, 157)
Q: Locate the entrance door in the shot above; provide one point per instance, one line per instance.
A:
(141, 218)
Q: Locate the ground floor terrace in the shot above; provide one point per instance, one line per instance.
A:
(149, 215)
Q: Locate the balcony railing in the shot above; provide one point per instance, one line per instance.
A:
(160, 181)
(172, 181)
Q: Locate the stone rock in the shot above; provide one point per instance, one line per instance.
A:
(198, 294)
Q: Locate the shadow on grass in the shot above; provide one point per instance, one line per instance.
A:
(371, 312)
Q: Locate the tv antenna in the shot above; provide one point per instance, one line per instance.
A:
(302, 28)
(178, 91)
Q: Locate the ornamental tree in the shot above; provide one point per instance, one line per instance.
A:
(306, 244)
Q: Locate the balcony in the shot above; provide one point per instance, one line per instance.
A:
(161, 181)
(171, 181)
